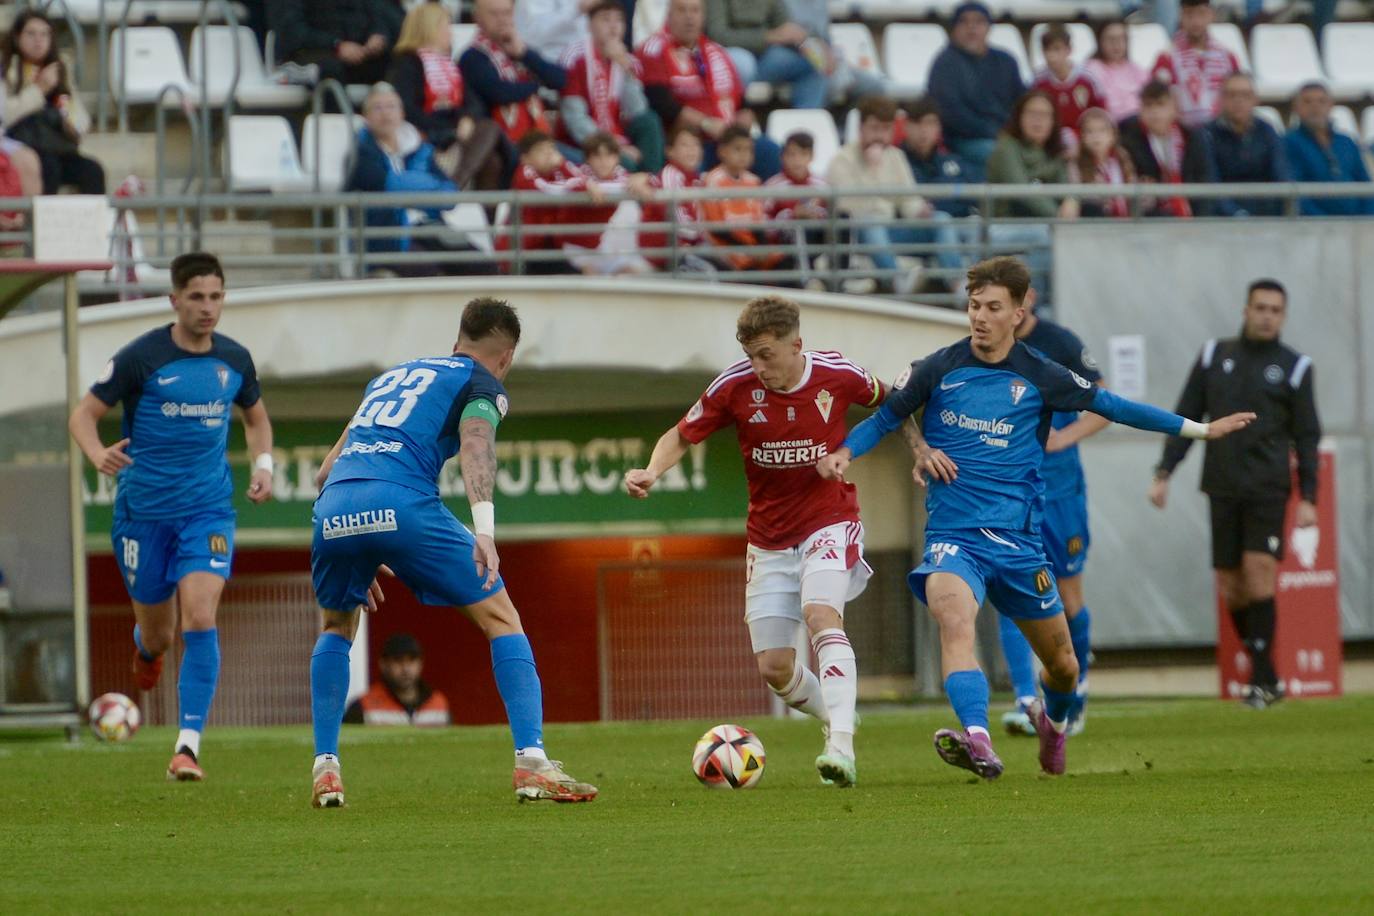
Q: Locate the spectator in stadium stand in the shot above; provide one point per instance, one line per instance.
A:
(798, 151)
(1118, 77)
(931, 162)
(471, 147)
(1166, 152)
(612, 249)
(690, 82)
(507, 74)
(974, 85)
(871, 162)
(766, 46)
(347, 40)
(43, 113)
(401, 697)
(391, 156)
(1030, 150)
(604, 93)
(1245, 148)
(1072, 89)
(1196, 65)
(1317, 152)
(552, 27)
(542, 168)
(1248, 476)
(736, 149)
(845, 80)
(1101, 160)
(684, 171)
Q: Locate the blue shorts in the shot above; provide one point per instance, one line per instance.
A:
(361, 524)
(1065, 533)
(1007, 567)
(153, 556)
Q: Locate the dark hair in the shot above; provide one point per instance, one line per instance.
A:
(11, 51)
(1310, 85)
(678, 131)
(186, 267)
(879, 107)
(1195, 2)
(1101, 30)
(1273, 286)
(1155, 90)
(600, 142)
(801, 140)
(923, 107)
(531, 139)
(733, 134)
(774, 315)
(1054, 143)
(1005, 271)
(602, 6)
(1055, 34)
(487, 315)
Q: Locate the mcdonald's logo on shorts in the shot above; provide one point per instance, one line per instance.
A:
(1075, 545)
(1042, 581)
(219, 544)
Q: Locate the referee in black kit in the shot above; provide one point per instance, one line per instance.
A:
(1246, 475)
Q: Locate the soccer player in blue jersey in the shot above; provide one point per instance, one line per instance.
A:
(379, 510)
(1065, 527)
(989, 401)
(173, 523)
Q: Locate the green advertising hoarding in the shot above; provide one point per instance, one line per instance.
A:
(558, 476)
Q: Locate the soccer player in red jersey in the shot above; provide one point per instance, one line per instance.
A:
(805, 556)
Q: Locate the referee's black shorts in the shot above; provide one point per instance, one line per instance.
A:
(1241, 525)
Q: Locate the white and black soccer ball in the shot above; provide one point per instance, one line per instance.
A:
(728, 757)
(114, 717)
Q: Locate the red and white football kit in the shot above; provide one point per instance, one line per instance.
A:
(800, 525)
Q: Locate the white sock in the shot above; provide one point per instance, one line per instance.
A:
(978, 730)
(1059, 727)
(188, 738)
(531, 753)
(803, 693)
(321, 759)
(839, 681)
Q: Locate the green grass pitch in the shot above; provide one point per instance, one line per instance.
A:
(1170, 807)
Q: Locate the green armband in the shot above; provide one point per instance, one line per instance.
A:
(482, 409)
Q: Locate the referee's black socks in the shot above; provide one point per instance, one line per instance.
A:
(1258, 634)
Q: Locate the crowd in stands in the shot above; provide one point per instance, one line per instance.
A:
(555, 96)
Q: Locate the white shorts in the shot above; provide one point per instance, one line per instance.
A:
(826, 568)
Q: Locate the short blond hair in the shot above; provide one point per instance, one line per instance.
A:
(774, 315)
(422, 27)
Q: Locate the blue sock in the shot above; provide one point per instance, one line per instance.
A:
(328, 690)
(1020, 659)
(1080, 631)
(1057, 705)
(512, 662)
(968, 694)
(198, 677)
(138, 644)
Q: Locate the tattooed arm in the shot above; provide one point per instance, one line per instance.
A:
(477, 459)
(929, 461)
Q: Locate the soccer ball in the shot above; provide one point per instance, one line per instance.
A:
(728, 757)
(114, 717)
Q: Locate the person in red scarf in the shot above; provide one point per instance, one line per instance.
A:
(506, 74)
(1166, 152)
(690, 82)
(470, 145)
(604, 92)
(1101, 160)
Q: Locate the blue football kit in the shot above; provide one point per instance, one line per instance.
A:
(172, 512)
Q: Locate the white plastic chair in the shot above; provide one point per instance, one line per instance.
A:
(1271, 114)
(462, 35)
(1343, 121)
(1228, 35)
(330, 160)
(263, 156)
(1367, 122)
(1081, 37)
(909, 49)
(854, 42)
(255, 88)
(1285, 57)
(1006, 36)
(815, 121)
(471, 219)
(154, 61)
(1348, 53)
(1145, 42)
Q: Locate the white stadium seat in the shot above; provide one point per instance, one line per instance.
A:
(262, 155)
(815, 121)
(462, 35)
(330, 159)
(1348, 52)
(908, 50)
(1343, 122)
(1367, 123)
(1145, 42)
(154, 61)
(471, 219)
(1227, 34)
(1084, 43)
(1006, 36)
(255, 88)
(1285, 57)
(854, 43)
(1271, 114)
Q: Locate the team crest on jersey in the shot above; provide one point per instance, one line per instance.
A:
(1018, 391)
(823, 403)
(223, 374)
(219, 544)
(903, 378)
(759, 395)
(1080, 95)
(106, 374)
(1075, 546)
(1087, 359)
(1042, 581)
(1273, 374)
(503, 405)
(1227, 365)
(791, 414)
(940, 550)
